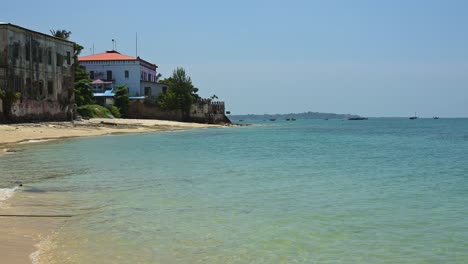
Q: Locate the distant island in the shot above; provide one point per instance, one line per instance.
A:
(305, 115)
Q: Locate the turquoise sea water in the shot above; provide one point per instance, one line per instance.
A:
(309, 191)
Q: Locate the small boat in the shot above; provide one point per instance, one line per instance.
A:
(287, 119)
(272, 119)
(241, 120)
(357, 118)
(293, 119)
(414, 117)
(436, 117)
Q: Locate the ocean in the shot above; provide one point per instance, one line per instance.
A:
(383, 190)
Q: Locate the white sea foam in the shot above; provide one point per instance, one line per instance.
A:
(46, 244)
(6, 193)
(31, 141)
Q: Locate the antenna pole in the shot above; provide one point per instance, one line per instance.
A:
(136, 44)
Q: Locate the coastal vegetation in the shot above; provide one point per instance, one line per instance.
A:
(114, 110)
(121, 99)
(93, 111)
(83, 95)
(8, 98)
(181, 93)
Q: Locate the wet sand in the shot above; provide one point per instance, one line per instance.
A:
(20, 236)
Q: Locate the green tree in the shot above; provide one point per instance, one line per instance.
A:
(83, 93)
(158, 76)
(181, 93)
(8, 98)
(121, 99)
(60, 33)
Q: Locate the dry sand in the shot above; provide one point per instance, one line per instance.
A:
(18, 236)
(29, 133)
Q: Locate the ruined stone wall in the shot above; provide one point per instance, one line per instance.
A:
(40, 67)
(208, 111)
(204, 111)
(140, 110)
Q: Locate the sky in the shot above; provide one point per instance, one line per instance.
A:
(366, 57)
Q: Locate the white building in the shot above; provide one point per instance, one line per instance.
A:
(111, 66)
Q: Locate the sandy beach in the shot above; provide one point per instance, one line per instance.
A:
(37, 132)
(19, 236)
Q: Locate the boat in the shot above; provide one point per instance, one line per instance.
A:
(357, 118)
(272, 119)
(414, 117)
(436, 117)
(293, 119)
(287, 119)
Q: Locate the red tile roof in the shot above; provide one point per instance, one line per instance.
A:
(111, 55)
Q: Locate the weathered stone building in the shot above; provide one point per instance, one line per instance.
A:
(40, 68)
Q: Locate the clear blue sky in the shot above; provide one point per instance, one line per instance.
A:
(373, 58)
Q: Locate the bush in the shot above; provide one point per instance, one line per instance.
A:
(93, 111)
(114, 110)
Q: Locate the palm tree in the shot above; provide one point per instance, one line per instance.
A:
(60, 33)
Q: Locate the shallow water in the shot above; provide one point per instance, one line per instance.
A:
(309, 191)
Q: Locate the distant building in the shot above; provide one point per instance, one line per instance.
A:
(38, 66)
(115, 68)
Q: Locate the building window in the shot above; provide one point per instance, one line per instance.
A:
(91, 75)
(16, 50)
(149, 77)
(28, 51)
(29, 89)
(18, 83)
(164, 89)
(147, 91)
(109, 75)
(50, 87)
(127, 74)
(39, 55)
(41, 87)
(68, 58)
(34, 53)
(49, 57)
(59, 59)
(34, 88)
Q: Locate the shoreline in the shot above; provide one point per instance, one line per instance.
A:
(27, 133)
(20, 238)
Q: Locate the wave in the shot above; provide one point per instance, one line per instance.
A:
(6, 193)
(46, 244)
